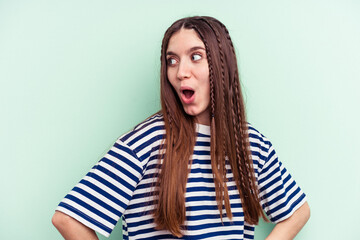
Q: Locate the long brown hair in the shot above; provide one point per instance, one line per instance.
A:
(229, 136)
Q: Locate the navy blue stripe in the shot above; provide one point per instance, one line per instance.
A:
(125, 149)
(86, 217)
(150, 230)
(201, 152)
(259, 146)
(207, 198)
(202, 161)
(152, 120)
(203, 135)
(212, 216)
(98, 201)
(277, 190)
(138, 205)
(117, 178)
(283, 195)
(211, 207)
(207, 189)
(142, 195)
(146, 144)
(90, 208)
(150, 162)
(290, 209)
(155, 119)
(200, 170)
(259, 155)
(147, 133)
(258, 137)
(249, 228)
(214, 225)
(121, 169)
(129, 162)
(247, 236)
(202, 144)
(199, 236)
(200, 180)
(286, 202)
(109, 185)
(139, 214)
(153, 165)
(271, 154)
(150, 175)
(214, 234)
(104, 193)
(275, 171)
(139, 223)
(274, 181)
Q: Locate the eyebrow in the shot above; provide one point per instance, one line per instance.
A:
(189, 51)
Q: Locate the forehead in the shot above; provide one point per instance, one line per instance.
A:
(184, 39)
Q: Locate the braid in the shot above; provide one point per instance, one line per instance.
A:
(211, 77)
(248, 188)
(243, 135)
(229, 142)
(227, 37)
(237, 147)
(219, 163)
(244, 161)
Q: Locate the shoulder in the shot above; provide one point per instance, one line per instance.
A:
(260, 146)
(257, 139)
(145, 133)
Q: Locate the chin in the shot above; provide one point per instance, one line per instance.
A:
(191, 112)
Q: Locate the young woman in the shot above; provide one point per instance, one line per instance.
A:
(196, 169)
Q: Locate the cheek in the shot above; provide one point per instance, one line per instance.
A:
(205, 78)
(170, 77)
(206, 83)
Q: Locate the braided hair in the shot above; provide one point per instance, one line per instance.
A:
(229, 132)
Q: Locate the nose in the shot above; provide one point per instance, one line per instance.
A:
(184, 70)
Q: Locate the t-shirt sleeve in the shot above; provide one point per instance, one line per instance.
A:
(279, 194)
(101, 197)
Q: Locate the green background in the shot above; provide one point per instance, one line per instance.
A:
(75, 75)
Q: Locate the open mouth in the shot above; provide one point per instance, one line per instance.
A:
(188, 93)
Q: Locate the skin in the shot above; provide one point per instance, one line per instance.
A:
(287, 229)
(72, 229)
(187, 67)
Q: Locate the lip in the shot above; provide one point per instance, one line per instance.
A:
(185, 99)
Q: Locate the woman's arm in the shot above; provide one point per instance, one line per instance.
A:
(72, 229)
(288, 228)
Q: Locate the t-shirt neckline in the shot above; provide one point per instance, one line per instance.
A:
(201, 128)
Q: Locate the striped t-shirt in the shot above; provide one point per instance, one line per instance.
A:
(120, 186)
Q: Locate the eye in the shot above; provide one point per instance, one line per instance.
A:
(196, 56)
(171, 61)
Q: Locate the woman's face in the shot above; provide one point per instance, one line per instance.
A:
(188, 73)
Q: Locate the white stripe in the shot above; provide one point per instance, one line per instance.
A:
(95, 205)
(148, 148)
(100, 197)
(142, 131)
(200, 163)
(108, 190)
(88, 213)
(83, 221)
(121, 175)
(112, 181)
(125, 155)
